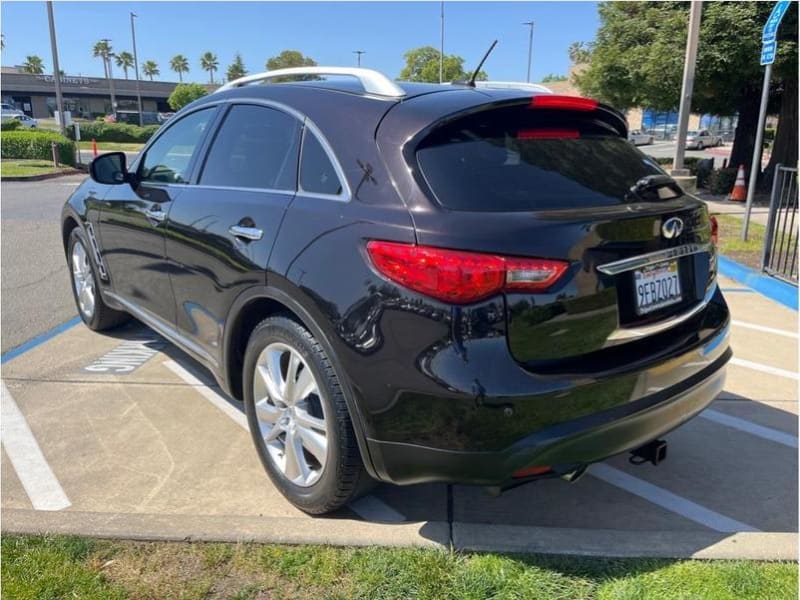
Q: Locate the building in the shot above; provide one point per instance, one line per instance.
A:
(86, 97)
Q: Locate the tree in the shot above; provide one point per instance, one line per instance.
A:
(579, 52)
(102, 49)
(180, 64)
(236, 68)
(125, 60)
(637, 60)
(553, 77)
(422, 64)
(33, 64)
(288, 59)
(209, 62)
(185, 93)
(150, 69)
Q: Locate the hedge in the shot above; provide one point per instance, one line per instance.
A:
(36, 145)
(113, 132)
(10, 125)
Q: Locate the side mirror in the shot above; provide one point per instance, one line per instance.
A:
(110, 169)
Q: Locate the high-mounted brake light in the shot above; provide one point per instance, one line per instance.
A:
(547, 134)
(461, 277)
(563, 102)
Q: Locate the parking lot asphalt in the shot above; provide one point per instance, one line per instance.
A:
(123, 435)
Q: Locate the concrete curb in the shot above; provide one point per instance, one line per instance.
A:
(772, 288)
(44, 176)
(432, 534)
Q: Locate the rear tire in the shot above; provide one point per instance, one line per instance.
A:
(298, 418)
(94, 312)
(699, 145)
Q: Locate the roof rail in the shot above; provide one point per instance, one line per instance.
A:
(373, 81)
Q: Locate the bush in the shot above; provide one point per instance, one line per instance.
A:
(10, 125)
(721, 181)
(36, 145)
(114, 132)
(185, 93)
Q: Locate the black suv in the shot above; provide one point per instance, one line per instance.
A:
(411, 282)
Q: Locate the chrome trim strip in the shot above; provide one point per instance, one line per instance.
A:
(162, 328)
(643, 260)
(630, 333)
(346, 194)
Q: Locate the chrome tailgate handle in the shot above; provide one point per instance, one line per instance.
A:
(246, 233)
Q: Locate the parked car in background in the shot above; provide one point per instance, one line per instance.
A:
(163, 117)
(703, 138)
(363, 264)
(640, 138)
(26, 121)
(8, 111)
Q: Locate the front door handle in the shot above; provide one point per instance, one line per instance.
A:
(155, 214)
(246, 233)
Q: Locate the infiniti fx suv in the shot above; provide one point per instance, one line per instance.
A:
(410, 282)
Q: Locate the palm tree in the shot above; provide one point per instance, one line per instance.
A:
(209, 63)
(180, 64)
(33, 64)
(150, 69)
(102, 49)
(125, 60)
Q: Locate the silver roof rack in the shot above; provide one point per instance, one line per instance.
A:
(374, 82)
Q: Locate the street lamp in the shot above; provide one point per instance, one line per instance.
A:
(136, 71)
(359, 53)
(441, 47)
(56, 70)
(530, 48)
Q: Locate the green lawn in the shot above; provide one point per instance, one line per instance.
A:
(112, 146)
(18, 167)
(70, 567)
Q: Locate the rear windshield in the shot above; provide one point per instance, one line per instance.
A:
(520, 159)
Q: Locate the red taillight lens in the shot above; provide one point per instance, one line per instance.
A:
(714, 230)
(547, 134)
(461, 277)
(563, 102)
(530, 472)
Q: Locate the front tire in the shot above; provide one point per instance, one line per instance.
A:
(298, 418)
(94, 312)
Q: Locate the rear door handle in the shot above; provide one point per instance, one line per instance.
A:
(155, 214)
(246, 233)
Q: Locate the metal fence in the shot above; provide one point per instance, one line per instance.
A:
(780, 243)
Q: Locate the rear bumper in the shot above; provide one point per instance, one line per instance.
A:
(566, 446)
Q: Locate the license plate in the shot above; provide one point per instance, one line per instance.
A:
(656, 286)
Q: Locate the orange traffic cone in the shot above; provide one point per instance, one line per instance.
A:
(739, 192)
(94, 148)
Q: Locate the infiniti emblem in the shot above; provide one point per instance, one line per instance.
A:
(672, 228)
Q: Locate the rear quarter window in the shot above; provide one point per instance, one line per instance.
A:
(520, 159)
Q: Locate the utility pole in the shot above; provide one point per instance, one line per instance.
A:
(359, 53)
(530, 48)
(441, 47)
(56, 70)
(136, 71)
(695, 11)
(110, 77)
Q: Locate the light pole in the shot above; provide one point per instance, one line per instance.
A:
(110, 76)
(56, 71)
(530, 48)
(136, 70)
(441, 48)
(695, 10)
(359, 53)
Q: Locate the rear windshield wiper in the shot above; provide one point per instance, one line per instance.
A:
(655, 187)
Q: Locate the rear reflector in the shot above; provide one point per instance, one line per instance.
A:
(530, 472)
(563, 102)
(547, 134)
(461, 277)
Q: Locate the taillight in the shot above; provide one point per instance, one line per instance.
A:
(547, 134)
(714, 230)
(563, 102)
(461, 277)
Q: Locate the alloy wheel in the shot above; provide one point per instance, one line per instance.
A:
(291, 415)
(83, 280)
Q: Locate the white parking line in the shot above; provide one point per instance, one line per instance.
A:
(368, 508)
(747, 364)
(758, 430)
(36, 476)
(209, 394)
(783, 332)
(667, 500)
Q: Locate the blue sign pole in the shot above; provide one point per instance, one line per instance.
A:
(769, 47)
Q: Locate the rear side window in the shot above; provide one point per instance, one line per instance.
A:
(521, 159)
(317, 175)
(255, 147)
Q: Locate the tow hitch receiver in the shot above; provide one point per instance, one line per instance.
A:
(654, 452)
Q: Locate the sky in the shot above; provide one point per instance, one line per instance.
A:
(326, 31)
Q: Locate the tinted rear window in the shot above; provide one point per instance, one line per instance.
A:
(519, 159)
